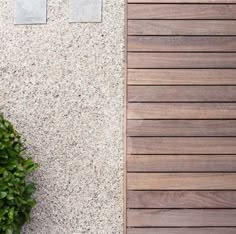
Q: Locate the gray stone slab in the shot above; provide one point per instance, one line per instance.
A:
(85, 11)
(30, 11)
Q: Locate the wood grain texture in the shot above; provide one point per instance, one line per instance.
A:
(181, 230)
(182, 43)
(182, 128)
(181, 111)
(181, 145)
(181, 163)
(181, 60)
(181, 218)
(183, 11)
(182, 1)
(181, 117)
(181, 94)
(181, 199)
(182, 27)
(181, 181)
(181, 76)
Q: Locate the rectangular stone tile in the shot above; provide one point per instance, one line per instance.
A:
(30, 11)
(85, 11)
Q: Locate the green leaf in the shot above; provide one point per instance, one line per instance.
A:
(18, 148)
(11, 214)
(9, 231)
(10, 197)
(30, 189)
(16, 192)
(1, 203)
(31, 202)
(12, 153)
(20, 168)
(2, 195)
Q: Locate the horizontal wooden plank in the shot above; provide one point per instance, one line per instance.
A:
(181, 181)
(180, 218)
(181, 76)
(182, 27)
(181, 128)
(182, 1)
(181, 230)
(182, 43)
(181, 93)
(183, 11)
(181, 111)
(181, 60)
(181, 163)
(181, 145)
(181, 199)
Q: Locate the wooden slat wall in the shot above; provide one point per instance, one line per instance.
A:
(181, 117)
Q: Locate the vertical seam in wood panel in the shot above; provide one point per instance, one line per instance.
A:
(125, 115)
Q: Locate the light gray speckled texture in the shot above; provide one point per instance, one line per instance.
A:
(30, 11)
(62, 86)
(85, 11)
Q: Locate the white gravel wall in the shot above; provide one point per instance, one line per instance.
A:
(62, 85)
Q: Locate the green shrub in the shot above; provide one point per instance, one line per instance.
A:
(16, 199)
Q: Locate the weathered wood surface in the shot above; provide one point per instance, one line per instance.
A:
(181, 111)
(183, 1)
(181, 230)
(181, 145)
(181, 181)
(181, 199)
(181, 117)
(182, 94)
(182, 27)
(181, 163)
(182, 60)
(181, 43)
(183, 11)
(181, 218)
(185, 128)
(181, 77)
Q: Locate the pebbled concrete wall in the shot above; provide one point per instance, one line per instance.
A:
(62, 86)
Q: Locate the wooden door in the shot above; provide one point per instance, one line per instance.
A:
(181, 117)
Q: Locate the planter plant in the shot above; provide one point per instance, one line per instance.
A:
(16, 200)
